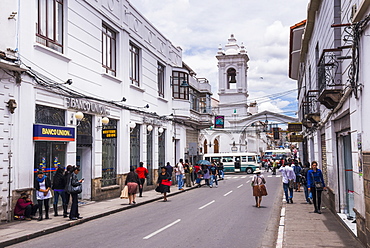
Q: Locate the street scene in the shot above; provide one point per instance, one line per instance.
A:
(182, 123)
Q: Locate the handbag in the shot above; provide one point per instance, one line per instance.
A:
(124, 193)
(73, 189)
(166, 182)
(263, 190)
(318, 186)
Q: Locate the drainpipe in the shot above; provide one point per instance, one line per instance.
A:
(9, 185)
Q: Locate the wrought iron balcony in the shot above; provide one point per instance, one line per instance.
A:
(329, 78)
(311, 110)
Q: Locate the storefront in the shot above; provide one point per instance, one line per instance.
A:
(51, 137)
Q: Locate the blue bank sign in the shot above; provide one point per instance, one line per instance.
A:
(53, 133)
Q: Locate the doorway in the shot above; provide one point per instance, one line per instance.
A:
(83, 160)
(346, 174)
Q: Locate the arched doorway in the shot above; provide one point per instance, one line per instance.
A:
(205, 146)
(216, 146)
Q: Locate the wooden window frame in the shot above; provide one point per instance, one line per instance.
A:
(134, 65)
(49, 20)
(109, 60)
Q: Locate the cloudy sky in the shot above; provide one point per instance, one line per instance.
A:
(200, 26)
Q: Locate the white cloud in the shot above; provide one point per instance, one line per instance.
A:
(200, 26)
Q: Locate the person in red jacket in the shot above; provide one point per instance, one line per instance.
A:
(142, 173)
(25, 208)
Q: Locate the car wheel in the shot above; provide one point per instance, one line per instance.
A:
(249, 170)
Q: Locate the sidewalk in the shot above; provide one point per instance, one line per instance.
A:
(300, 226)
(18, 231)
(304, 228)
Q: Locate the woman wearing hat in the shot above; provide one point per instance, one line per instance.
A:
(43, 193)
(163, 183)
(259, 188)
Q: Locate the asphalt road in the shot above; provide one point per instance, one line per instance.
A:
(204, 217)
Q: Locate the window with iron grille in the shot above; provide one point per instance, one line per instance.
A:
(160, 79)
(135, 147)
(134, 65)
(149, 157)
(109, 50)
(178, 91)
(49, 115)
(162, 150)
(109, 157)
(49, 27)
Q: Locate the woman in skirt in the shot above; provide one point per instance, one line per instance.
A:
(132, 182)
(259, 188)
(163, 183)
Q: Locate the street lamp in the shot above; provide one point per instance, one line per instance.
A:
(104, 121)
(132, 125)
(149, 128)
(160, 131)
(79, 116)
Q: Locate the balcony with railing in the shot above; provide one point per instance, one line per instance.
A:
(311, 109)
(329, 79)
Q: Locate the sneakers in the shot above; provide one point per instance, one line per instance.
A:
(291, 200)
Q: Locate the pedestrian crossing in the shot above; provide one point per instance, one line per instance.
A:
(249, 176)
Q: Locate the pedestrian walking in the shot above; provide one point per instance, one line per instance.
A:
(315, 184)
(179, 172)
(259, 188)
(163, 183)
(269, 165)
(206, 175)
(132, 181)
(274, 167)
(59, 185)
(193, 176)
(288, 178)
(169, 169)
(297, 171)
(67, 195)
(199, 173)
(187, 173)
(142, 172)
(220, 170)
(43, 193)
(307, 194)
(72, 183)
(213, 175)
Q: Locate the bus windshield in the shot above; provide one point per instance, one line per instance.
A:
(235, 162)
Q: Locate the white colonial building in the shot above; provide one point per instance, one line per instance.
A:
(238, 126)
(329, 59)
(92, 84)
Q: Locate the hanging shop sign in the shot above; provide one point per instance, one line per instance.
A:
(219, 121)
(87, 106)
(295, 127)
(296, 138)
(109, 133)
(53, 133)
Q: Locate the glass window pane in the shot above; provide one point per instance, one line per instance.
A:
(59, 25)
(50, 19)
(42, 17)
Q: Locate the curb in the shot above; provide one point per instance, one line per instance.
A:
(81, 221)
(271, 233)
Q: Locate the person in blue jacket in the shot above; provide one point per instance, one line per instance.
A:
(315, 175)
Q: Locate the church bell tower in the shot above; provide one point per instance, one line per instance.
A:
(232, 79)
